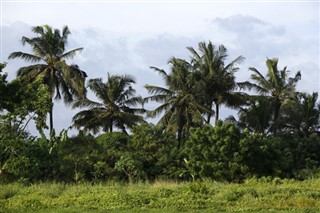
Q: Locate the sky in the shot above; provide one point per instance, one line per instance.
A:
(127, 37)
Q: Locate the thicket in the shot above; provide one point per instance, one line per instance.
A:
(221, 153)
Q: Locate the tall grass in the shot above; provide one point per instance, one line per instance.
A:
(255, 195)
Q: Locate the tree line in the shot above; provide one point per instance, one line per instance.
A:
(275, 134)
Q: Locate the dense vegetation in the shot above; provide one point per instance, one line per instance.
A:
(275, 134)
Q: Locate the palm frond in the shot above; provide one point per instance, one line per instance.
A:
(294, 80)
(32, 71)
(196, 57)
(263, 83)
(26, 56)
(71, 54)
(133, 101)
(162, 108)
(160, 71)
(89, 120)
(80, 103)
(236, 61)
(65, 33)
(157, 98)
(158, 90)
(245, 85)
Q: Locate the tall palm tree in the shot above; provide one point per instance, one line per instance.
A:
(178, 99)
(49, 53)
(115, 109)
(276, 86)
(217, 80)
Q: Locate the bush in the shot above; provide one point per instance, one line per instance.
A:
(27, 160)
(113, 145)
(156, 150)
(213, 152)
(263, 156)
(78, 155)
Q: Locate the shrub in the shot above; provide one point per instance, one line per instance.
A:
(213, 152)
(155, 149)
(78, 155)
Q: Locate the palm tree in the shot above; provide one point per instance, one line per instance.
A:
(115, 109)
(276, 86)
(301, 114)
(178, 100)
(256, 115)
(49, 52)
(217, 81)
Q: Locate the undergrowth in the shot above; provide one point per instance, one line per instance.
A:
(254, 195)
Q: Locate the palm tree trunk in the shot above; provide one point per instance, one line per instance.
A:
(110, 128)
(209, 114)
(179, 138)
(51, 121)
(276, 115)
(208, 118)
(217, 113)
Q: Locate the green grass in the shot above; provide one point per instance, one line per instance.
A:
(261, 195)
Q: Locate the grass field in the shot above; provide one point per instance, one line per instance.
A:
(262, 195)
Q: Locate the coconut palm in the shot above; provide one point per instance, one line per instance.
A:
(64, 81)
(276, 86)
(117, 97)
(179, 103)
(216, 79)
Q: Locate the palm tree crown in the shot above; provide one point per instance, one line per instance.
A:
(276, 85)
(179, 103)
(217, 80)
(115, 109)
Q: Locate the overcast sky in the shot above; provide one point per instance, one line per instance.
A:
(126, 37)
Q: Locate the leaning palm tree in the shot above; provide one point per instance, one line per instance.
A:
(179, 105)
(216, 79)
(117, 97)
(276, 86)
(49, 53)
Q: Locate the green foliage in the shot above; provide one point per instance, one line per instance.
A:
(300, 115)
(223, 153)
(263, 156)
(5, 93)
(79, 155)
(113, 145)
(131, 167)
(27, 161)
(256, 116)
(255, 195)
(213, 152)
(20, 152)
(156, 150)
(21, 104)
